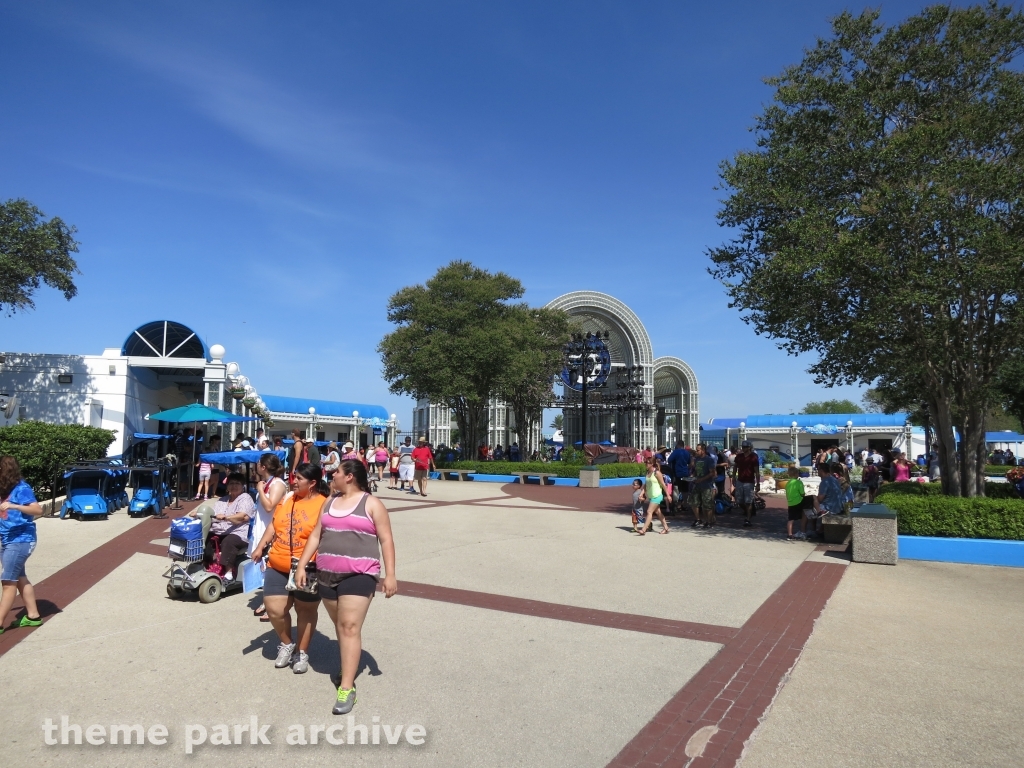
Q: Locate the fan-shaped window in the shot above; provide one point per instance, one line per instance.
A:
(164, 338)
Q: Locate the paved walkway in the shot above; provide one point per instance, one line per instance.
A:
(532, 628)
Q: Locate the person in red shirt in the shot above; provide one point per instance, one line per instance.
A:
(745, 475)
(423, 460)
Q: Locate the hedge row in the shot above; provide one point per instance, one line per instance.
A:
(43, 450)
(949, 516)
(999, 470)
(992, 490)
(561, 469)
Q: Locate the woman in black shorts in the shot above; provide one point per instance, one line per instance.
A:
(347, 541)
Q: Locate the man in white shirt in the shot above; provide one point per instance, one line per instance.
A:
(406, 465)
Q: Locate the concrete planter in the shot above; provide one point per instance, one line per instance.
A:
(590, 477)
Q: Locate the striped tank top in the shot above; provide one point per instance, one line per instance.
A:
(348, 541)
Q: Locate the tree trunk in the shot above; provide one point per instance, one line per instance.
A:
(945, 441)
(469, 415)
(972, 434)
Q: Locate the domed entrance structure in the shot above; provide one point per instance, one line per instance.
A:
(663, 409)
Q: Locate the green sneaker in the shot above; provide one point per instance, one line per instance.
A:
(27, 622)
(346, 700)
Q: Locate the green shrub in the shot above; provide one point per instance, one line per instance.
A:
(975, 518)
(992, 490)
(559, 468)
(999, 470)
(43, 450)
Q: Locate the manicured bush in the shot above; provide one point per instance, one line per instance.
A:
(43, 450)
(968, 518)
(992, 490)
(561, 469)
(999, 470)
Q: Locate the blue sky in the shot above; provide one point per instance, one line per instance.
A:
(269, 174)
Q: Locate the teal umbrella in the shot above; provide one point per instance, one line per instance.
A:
(196, 413)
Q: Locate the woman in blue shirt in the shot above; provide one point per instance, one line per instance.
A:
(18, 510)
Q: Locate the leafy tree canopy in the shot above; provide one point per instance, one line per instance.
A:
(43, 450)
(462, 339)
(832, 406)
(33, 250)
(879, 220)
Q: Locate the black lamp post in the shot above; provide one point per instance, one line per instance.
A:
(582, 358)
(630, 393)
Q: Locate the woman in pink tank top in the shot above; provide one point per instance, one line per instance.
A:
(351, 538)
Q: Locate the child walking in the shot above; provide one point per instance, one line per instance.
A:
(795, 501)
(639, 499)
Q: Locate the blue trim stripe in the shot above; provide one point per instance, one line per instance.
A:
(972, 551)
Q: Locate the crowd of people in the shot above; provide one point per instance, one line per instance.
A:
(317, 540)
(694, 480)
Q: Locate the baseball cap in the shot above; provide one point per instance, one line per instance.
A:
(746, 444)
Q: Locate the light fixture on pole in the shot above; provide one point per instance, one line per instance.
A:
(794, 442)
(312, 423)
(355, 441)
(849, 436)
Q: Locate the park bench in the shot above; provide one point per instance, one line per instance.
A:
(541, 476)
(462, 473)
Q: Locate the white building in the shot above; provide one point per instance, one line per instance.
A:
(161, 365)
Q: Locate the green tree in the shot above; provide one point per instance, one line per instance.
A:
(453, 342)
(556, 423)
(879, 219)
(832, 406)
(43, 450)
(33, 250)
(1010, 388)
(537, 336)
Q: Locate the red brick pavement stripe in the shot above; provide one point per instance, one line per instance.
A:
(59, 590)
(734, 690)
(631, 622)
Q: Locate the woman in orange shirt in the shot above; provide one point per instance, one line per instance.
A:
(294, 519)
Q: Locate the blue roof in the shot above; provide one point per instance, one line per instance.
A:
(722, 424)
(301, 405)
(803, 420)
(1004, 437)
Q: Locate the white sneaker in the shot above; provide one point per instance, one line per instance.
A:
(284, 655)
(300, 663)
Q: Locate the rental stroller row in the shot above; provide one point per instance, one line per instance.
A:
(94, 490)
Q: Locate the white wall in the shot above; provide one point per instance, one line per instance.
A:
(116, 400)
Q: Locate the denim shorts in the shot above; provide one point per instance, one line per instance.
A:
(13, 558)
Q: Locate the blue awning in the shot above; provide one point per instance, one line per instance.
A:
(300, 406)
(145, 436)
(238, 457)
(804, 420)
(1004, 437)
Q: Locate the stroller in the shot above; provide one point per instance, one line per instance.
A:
(188, 571)
(91, 492)
(149, 485)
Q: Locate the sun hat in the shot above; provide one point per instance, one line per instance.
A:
(422, 439)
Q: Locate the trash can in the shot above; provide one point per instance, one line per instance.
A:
(874, 535)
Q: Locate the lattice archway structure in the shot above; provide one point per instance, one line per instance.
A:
(675, 394)
(629, 345)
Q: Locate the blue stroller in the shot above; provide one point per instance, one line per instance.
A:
(89, 493)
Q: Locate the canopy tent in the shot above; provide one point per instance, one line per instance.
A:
(239, 457)
(195, 413)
